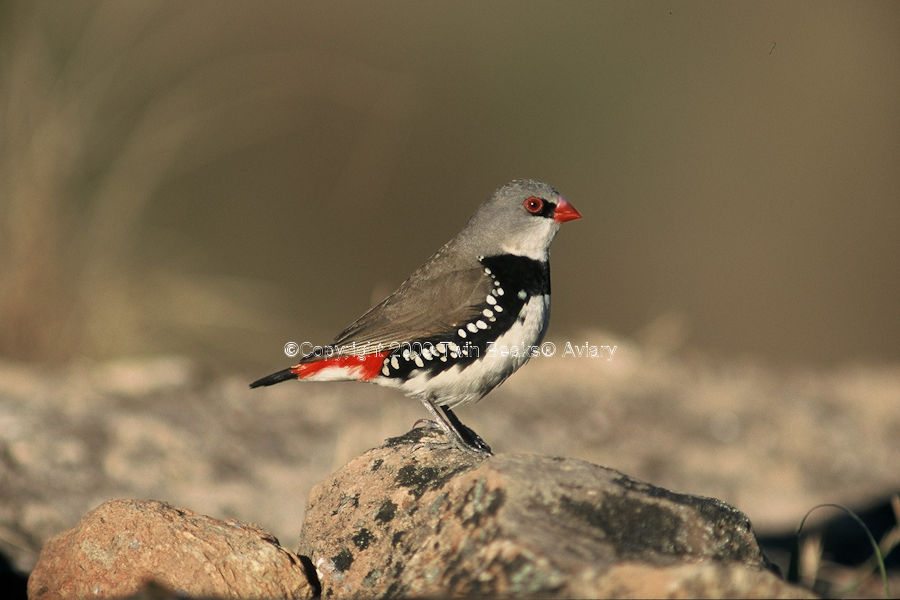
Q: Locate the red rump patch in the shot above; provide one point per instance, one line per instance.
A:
(364, 366)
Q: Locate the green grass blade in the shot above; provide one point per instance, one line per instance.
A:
(794, 568)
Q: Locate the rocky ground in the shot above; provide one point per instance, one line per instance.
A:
(410, 521)
(773, 444)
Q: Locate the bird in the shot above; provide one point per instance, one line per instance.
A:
(461, 323)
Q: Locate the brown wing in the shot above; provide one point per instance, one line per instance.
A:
(432, 302)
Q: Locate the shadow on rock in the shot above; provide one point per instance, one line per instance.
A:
(12, 581)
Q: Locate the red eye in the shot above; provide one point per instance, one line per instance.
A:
(533, 205)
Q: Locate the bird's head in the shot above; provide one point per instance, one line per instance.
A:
(520, 218)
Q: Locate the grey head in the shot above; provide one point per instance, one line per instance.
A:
(520, 218)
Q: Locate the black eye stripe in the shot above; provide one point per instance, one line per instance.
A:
(547, 209)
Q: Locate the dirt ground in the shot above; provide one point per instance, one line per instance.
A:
(774, 444)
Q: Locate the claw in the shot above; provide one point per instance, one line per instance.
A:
(445, 445)
(426, 424)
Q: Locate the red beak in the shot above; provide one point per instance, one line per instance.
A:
(565, 212)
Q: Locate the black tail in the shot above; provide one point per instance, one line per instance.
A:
(274, 378)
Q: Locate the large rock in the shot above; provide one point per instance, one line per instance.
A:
(404, 520)
(123, 546)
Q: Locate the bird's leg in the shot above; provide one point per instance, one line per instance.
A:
(449, 423)
(466, 433)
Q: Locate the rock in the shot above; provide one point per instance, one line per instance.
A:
(404, 520)
(123, 546)
(690, 580)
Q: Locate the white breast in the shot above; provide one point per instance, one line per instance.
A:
(460, 385)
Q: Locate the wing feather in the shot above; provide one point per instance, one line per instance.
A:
(432, 302)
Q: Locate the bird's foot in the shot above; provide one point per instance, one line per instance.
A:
(432, 427)
(467, 434)
(432, 445)
(427, 424)
(449, 443)
(458, 435)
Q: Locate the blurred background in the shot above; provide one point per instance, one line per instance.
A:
(187, 186)
(216, 178)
